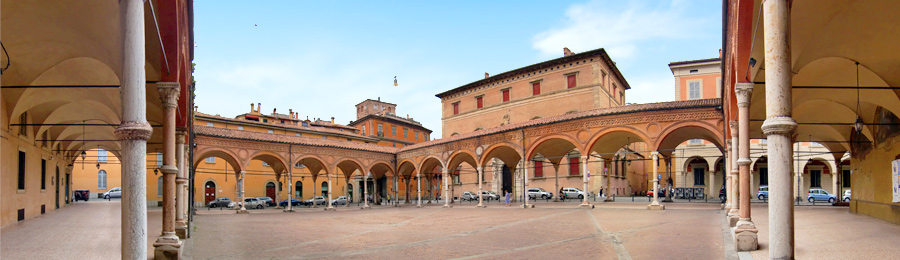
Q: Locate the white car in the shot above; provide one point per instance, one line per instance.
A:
(318, 200)
(342, 200)
(254, 203)
(534, 193)
(489, 195)
(846, 196)
(113, 193)
(572, 193)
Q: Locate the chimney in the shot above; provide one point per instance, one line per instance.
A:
(251, 107)
(486, 75)
(332, 120)
(291, 112)
(567, 52)
(273, 111)
(720, 53)
(258, 107)
(195, 108)
(379, 99)
(407, 116)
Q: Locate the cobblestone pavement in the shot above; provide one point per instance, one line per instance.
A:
(549, 231)
(83, 230)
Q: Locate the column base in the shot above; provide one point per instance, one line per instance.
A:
(365, 206)
(330, 208)
(608, 199)
(243, 211)
(181, 230)
(288, 210)
(447, 206)
(585, 205)
(746, 236)
(656, 206)
(167, 246)
(480, 205)
(279, 207)
(418, 206)
(667, 200)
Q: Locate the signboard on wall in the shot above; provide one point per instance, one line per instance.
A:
(895, 180)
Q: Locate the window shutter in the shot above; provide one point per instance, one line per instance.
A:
(505, 95)
(571, 80)
(536, 88)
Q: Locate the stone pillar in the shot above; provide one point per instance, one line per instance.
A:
(745, 233)
(668, 187)
(243, 209)
(655, 165)
(445, 177)
(376, 194)
(347, 191)
(167, 245)
(418, 190)
(480, 186)
(315, 185)
(727, 172)
(734, 213)
(605, 173)
(290, 181)
(134, 131)
(584, 177)
(366, 190)
(779, 127)
(711, 190)
(330, 190)
(181, 198)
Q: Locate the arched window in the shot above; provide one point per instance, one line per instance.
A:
(324, 188)
(159, 187)
(101, 180)
(298, 190)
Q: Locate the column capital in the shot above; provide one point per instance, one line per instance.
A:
(743, 161)
(169, 93)
(782, 125)
(179, 137)
(130, 130)
(743, 91)
(655, 155)
(733, 126)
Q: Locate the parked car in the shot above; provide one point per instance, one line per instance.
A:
(846, 195)
(469, 196)
(722, 195)
(113, 193)
(762, 193)
(318, 200)
(489, 195)
(535, 193)
(820, 195)
(268, 201)
(571, 193)
(294, 202)
(254, 203)
(220, 202)
(662, 193)
(342, 200)
(82, 195)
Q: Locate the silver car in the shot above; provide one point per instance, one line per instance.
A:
(254, 203)
(342, 200)
(572, 193)
(469, 196)
(318, 200)
(113, 193)
(489, 195)
(535, 193)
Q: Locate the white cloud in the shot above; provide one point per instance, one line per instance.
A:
(596, 25)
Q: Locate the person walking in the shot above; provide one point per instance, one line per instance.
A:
(507, 198)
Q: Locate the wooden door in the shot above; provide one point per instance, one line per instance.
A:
(270, 190)
(209, 192)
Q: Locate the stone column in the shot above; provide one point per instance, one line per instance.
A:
(480, 186)
(605, 173)
(734, 213)
(134, 131)
(330, 190)
(745, 233)
(366, 190)
(243, 209)
(418, 190)
(181, 198)
(655, 165)
(376, 194)
(347, 191)
(315, 185)
(712, 184)
(584, 177)
(445, 177)
(167, 245)
(290, 181)
(779, 127)
(727, 172)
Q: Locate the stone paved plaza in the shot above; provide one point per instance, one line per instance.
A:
(620, 230)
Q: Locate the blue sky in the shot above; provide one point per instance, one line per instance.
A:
(321, 58)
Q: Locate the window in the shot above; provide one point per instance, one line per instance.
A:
(695, 141)
(538, 169)
(298, 134)
(815, 178)
(698, 176)
(21, 180)
(694, 71)
(694, 90)
(364, 130)
(324, 137)
(271, 131)
(845, 178)
(763, 141)
(763, 176)
(159, 186)
(479, 101)
(43, 174)
(210, 159)
(380, 130)
(536, 88)
(298, 190)
(456, 108)
(394, 130)
(405, 133)
(570, 81)
(265, 164)
(101, 155)
(240, 128)
(159, 159)
(101, 180)
(23, 121)
(417, 135)
(426, 136)
(265, 120)
(324, 188)
(209, 124)
(574, 168)
(394, 144)
(305, 124)
(505, 95)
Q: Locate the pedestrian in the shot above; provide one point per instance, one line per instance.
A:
(507, 198)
